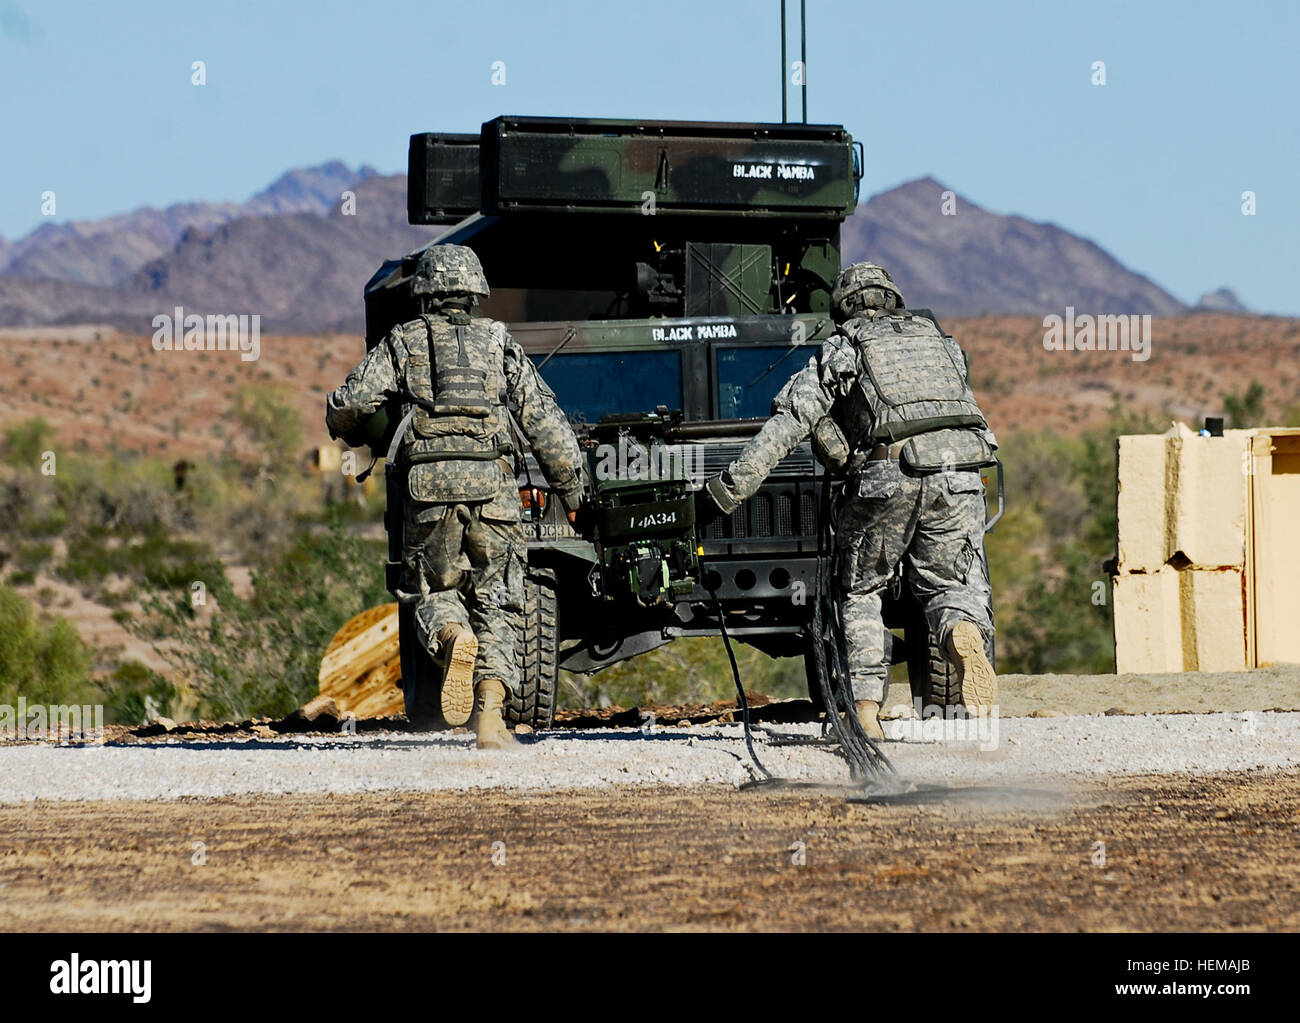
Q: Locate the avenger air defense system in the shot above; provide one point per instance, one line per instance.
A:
(666, 278)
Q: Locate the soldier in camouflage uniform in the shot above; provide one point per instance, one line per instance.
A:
(887, 399)
(459, 380)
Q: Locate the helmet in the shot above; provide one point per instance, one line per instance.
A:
(856, 278)
(449, 269)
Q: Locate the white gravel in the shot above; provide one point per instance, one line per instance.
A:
(1022, 749)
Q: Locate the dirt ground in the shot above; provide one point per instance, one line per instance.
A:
(1210, 853)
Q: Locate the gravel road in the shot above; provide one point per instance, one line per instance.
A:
(1021, 750)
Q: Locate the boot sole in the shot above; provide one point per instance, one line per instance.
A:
(979, 682)
(458, 680)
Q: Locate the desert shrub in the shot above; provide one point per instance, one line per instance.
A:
(26, 441)
(268, 412)
(155, 559)
(42, 660)
(1246, 408)
(261, 655)
(1046, 555)
(130, 690)
(690, 670)
(30, 557)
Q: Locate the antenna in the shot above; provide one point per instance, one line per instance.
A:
(803, 61)
(803, 56)
(783, 117)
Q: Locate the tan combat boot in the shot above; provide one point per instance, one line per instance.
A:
(457, 651)
(979, 682)
(489, 695)
(869, 718)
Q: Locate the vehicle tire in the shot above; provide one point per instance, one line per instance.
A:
(928, 663)
(932, 676)
(810, 670)
(421, 678)
(537, 653)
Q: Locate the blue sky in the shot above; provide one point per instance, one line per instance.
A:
(994, 99)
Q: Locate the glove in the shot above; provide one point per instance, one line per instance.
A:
(583, 519)
(706, 509)
(717, 489)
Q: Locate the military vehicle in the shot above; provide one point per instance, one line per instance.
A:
(666, 277)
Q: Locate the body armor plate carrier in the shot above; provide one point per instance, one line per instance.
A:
(459, 431)
(913, 386)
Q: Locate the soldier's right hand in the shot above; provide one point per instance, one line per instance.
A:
(583, 519)
(716, 498)
(706, 508)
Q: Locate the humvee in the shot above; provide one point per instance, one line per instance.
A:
(666, 278)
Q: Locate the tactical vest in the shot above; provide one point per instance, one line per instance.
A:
(459, 429)
(912, 386)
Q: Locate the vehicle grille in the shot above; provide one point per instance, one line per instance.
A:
(777, 510)
(799, 463)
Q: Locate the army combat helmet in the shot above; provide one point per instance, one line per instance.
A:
(862, 286)
(449, 271)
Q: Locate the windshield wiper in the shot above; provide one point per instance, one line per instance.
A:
(788, 352)
(573, 332)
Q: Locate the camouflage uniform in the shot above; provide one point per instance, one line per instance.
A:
(887, 512)
(464, 547)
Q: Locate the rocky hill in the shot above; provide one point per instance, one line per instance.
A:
(292, 254)
(971, 262)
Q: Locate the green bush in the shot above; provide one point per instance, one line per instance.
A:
(1046, 555)
(42, 660)
(27, 441)
(1246, 409)
(261, 656)
(690, 670)
(269, 414)
(126, 691)
(30, 557)
(156, 560)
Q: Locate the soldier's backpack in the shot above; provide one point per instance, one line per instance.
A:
(459, 429)
(912, 380)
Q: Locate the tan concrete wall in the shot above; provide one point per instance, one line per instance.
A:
(1171, 620)
(1182, 493)
(1275, 547)
(1208, 575)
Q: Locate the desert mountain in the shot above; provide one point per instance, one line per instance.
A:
(1223, 300)
(294, 255)
(972, 261)
(301, 271)
(108, 251)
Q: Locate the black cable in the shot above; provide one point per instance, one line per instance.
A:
(866, 760)
(740, 689)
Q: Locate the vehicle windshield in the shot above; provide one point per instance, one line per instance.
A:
(749, 377)
(589, 385)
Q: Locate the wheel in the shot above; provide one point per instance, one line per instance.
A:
(932, 676)
(421, 678)
(810, 670)
(537, 653)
